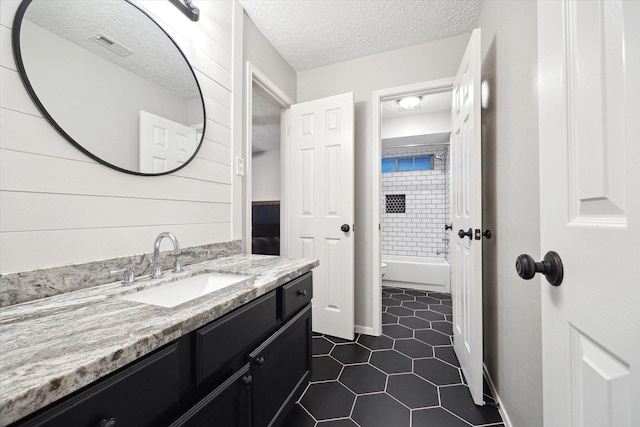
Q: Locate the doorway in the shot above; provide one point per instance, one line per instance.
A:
(405, 139)
(265, 178)
(415, 191)
(265, 173)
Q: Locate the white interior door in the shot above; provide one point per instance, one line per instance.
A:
(320, 205)
(164, 144)
(589, 68)
(466, 215)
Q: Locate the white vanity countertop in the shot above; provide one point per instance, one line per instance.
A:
(54, 346)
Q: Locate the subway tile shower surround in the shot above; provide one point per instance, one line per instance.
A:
(420, 229)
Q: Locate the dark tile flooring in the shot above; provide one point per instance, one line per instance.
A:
(407, 377)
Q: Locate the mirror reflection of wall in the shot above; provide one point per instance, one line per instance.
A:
(265, 173)
(95, 92)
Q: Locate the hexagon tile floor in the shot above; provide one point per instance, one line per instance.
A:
(407, 377)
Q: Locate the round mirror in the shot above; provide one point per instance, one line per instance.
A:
(111, 81)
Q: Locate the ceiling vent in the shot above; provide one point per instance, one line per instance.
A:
(111, 44)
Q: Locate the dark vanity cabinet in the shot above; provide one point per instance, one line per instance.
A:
(228, 405)
(280, 369)
(245, 369)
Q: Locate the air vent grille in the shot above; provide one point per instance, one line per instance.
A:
(109, 43)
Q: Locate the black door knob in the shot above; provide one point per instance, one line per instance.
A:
(550, 266)
(260, 361)
(448, 227)
(345, 228)
(302, 292)
(467, 233)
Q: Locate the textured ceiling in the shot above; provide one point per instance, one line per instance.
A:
(155, 57)
(315, 33)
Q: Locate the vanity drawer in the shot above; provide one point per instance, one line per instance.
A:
(226, 338)
(296, 294)
(138, 395)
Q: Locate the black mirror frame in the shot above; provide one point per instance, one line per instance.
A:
(17, 54)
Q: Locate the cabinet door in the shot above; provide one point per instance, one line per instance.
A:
(229, 405)
(236, 333)
(138, 395)
(281, 368)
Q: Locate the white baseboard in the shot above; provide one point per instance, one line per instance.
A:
(366, 330)
(501, 409)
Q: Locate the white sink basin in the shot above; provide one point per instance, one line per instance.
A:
(175, 293)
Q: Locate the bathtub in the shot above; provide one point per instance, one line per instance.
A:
(428, 274)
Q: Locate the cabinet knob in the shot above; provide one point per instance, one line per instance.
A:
(302, 292)
(246, 380)
(111, 422)
(260, 361)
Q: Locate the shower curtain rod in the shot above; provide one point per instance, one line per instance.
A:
(416, 145)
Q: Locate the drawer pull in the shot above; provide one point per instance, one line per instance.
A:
(260, 361)
(111, 422)
(246, 380)
(302, 292)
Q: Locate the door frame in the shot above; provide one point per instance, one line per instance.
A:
(254, 75)
(423, 88)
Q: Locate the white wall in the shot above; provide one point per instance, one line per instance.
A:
(59, 207)
(265, 186)
(265, 58)
(512, 330)
(416, 64)
(419, 124)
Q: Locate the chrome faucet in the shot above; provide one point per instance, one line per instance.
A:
(157, 267)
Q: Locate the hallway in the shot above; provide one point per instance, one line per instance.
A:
(407, 377)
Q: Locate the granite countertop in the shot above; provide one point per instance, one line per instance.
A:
(54, 346)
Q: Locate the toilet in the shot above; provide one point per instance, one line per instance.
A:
(383, 268)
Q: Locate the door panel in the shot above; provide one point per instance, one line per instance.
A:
(589, 62)
(466, 253)
(321, 186)
(164, 144)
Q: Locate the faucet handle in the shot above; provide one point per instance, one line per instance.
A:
(177, 266)
(129, 275)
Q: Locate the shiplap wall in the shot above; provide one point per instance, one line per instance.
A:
(59, 207)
